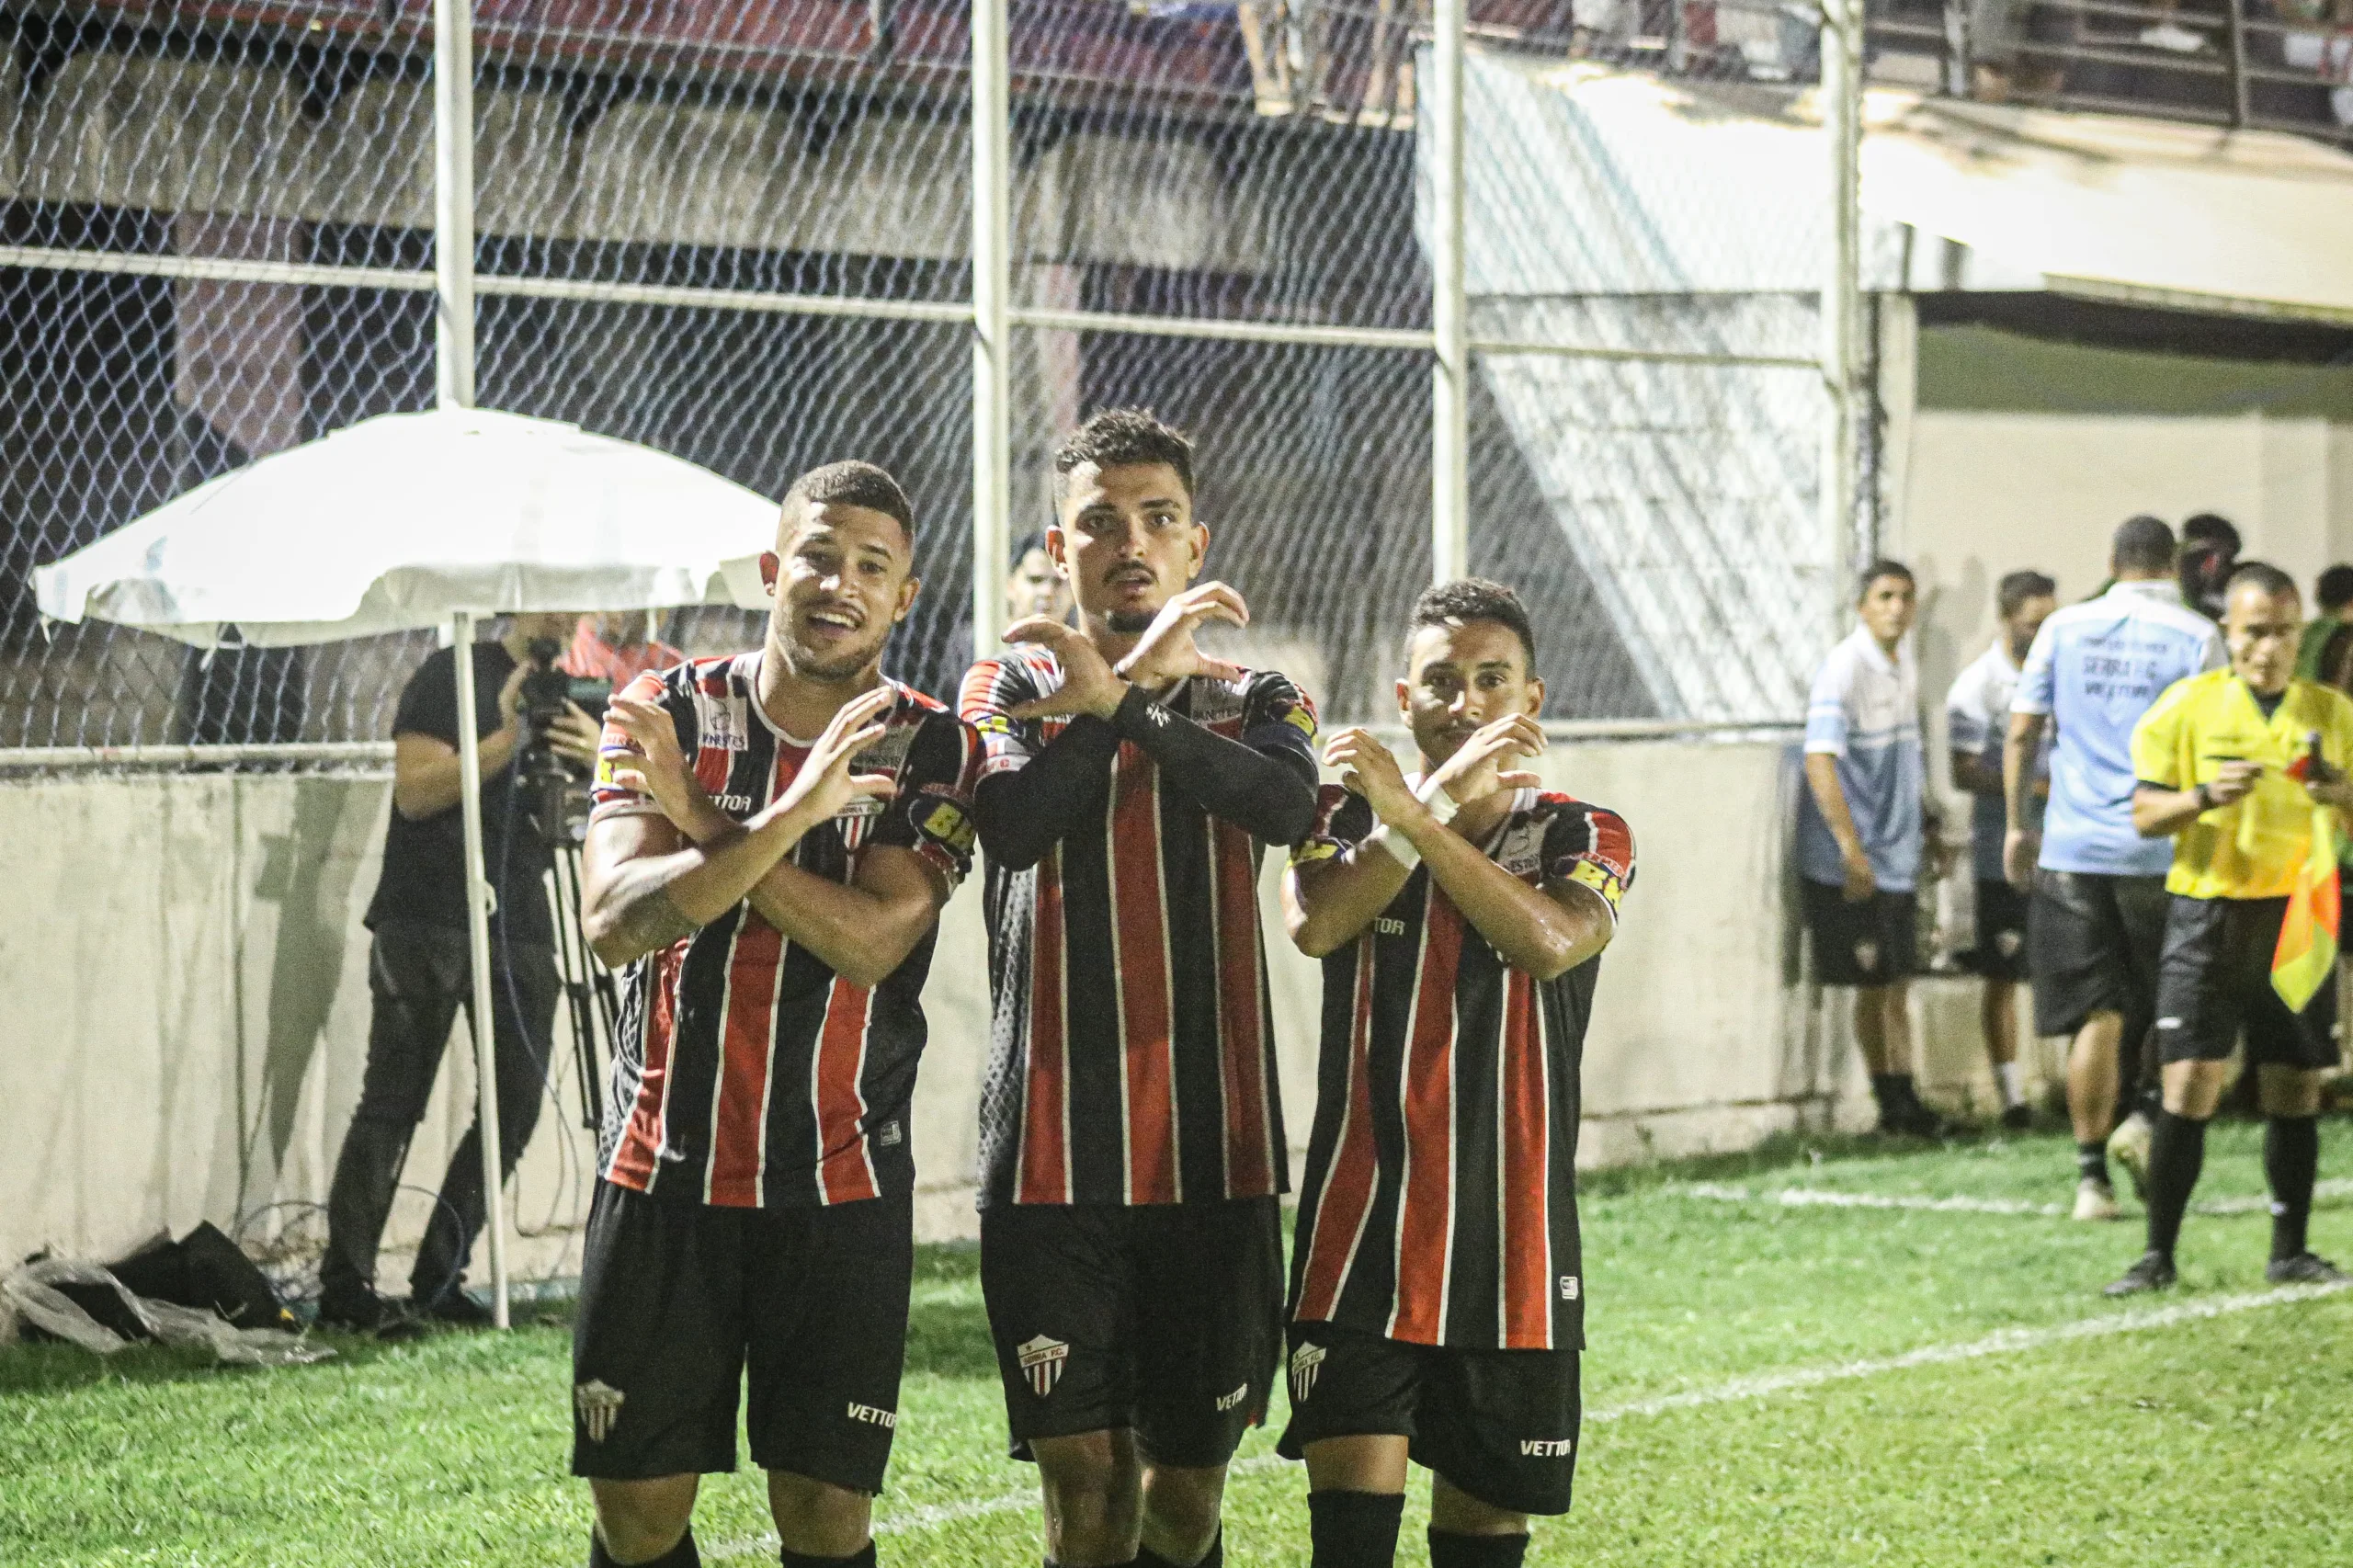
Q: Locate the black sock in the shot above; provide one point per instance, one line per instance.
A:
(2291, 1160)
(2091, 1159)
(1888, 1089)
(1451, 1551)
(1353, 1529)
(2177, 1154)
(682, 1555)
(862, 1558)
(1214, 1558)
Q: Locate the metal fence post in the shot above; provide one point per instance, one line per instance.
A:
(2236, 11)
(453, 202)
(1842, 105)
(1451, 373)
(991, 354)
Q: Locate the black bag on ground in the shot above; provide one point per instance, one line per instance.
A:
(203, 1269)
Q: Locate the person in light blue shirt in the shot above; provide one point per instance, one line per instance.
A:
(1977, 721)
(1862, 830)
(2095, 920)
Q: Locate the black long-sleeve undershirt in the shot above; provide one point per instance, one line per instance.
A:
(1022, 814)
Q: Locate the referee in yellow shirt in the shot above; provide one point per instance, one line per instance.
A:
(2212, 759)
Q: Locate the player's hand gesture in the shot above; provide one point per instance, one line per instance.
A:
(1166, 653)
(1368, 769)
(824, 786)
(660, 768)
(1478, 768)
(1089, 685)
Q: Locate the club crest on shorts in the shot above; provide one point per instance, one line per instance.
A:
(1041, 1363)
(1867, 956)
(1305, 1362)
(600, 1404)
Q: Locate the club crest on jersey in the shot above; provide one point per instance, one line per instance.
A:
(1041, 1363)
(1305, 1362)
(600, 1404)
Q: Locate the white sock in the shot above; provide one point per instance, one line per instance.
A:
(2007, 1074)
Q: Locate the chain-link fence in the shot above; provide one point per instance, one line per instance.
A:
(744, 235)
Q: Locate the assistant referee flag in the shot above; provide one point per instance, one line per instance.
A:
(2306, 954)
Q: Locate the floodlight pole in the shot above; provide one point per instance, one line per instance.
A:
(478, 908)
(1441, 118)
(1842, 304)
(453, 202)
(992, 352)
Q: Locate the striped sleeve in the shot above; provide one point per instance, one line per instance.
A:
(1341, 820)
(932, 814)
(1591, 845)
(615, 751)
(991, 689)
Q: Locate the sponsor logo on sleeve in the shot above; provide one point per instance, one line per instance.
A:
(1598, 880)
(1300, 718)
(946, 823)
(1310, 850)
(1041, 1362)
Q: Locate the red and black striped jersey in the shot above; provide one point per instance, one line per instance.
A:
(1131, 1052)
(1440, 1201)
(746, 1072)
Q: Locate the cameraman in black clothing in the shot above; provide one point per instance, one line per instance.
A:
(420, 973)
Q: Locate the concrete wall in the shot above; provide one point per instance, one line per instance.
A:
(188, 986)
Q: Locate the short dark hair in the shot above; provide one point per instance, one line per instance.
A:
(2334, 588)
(2020, 587)
(2142, 544)
(1474, 598)
(2210, 528)
(1123, 438)
(1879, 567)
(2263, 576)
(1034, 540)
(854, 484)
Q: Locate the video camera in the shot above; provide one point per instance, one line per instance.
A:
(552, 785)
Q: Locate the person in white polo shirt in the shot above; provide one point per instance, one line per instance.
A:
(1862, 828)
(2096, 918)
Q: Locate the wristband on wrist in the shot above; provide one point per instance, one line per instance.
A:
(2205, 800)
(1441, 805)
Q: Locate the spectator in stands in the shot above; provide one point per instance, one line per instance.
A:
(1863, 826)
(420, 974)
(2332, 593)
(2097, 911)
(1977, 723)
(1033, 586)
(2210, 552)
(617, 646)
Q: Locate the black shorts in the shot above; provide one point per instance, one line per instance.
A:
(2092, 942)
(1165, 1318)
(677, 1301)
(1501, 1425)
(1875, 942)
(2001, 932)
(2216, 979)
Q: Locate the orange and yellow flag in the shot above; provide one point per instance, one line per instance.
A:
(2306, 954)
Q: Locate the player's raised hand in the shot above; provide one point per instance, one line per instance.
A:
(1167, 652)
(824, 784)
(1089, 684)
(1368, 769)
(658, 769)
(1478, 766)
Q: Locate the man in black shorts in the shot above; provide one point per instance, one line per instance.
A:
(776, 899)
(2229, 768)
(1436, 1298)
(1131, 1140)
(1863, 834)
(2098, 897)
(1977, 720)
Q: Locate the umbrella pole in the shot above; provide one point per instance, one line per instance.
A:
(478, 902)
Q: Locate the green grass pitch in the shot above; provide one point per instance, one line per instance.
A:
(2062, 1437)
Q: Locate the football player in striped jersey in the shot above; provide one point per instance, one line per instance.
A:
(1131, 1138)
(775, 899)
(1437, 1299)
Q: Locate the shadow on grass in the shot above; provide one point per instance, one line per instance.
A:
(1779, 1152)
(54, 1368)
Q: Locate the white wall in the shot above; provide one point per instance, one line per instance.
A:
(189, 987)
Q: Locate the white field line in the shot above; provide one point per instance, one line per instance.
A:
(1759, 1385)
(1823, 1197)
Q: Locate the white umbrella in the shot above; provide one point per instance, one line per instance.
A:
(416, 520)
